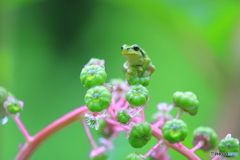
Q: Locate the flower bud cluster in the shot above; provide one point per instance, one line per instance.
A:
(127, 101)
(93, 76)
(9, 106)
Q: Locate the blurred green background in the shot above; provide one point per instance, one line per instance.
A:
(45, 43)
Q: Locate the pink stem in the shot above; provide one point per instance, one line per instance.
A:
(142, 114)
(125, 106)
(179, 113)
(111, 113)
(23, 129)
(115, 123)
(181, 149)
(216, 158)
(29, 147)
(160, 122)
(89, 135)
(136, 111)
(121, 104)
(121, 101)
(113, 136)
(198, 146)
(153, 149)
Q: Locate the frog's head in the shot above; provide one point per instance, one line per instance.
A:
(132, 51)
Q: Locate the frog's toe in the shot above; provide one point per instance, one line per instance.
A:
(140, 69)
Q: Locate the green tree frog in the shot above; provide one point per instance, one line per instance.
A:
(137, 60)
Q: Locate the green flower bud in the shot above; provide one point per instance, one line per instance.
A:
(142, 78)
(207, 135)
(3, 96)
(137, 95)
(187, 101)
(13, 106)
(98, 98)
(229, 145)
(175, 130)
(93, 75)
(140, 135)
(134, 156)
(123, 116)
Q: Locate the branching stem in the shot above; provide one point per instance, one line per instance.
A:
(30, 146)
(177, 147)
(23, 129)
(159, 143)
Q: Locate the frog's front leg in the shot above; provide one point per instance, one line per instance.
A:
(143, 65)
(149, 66)
(146, 63)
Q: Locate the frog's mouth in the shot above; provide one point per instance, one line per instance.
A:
(129, 54)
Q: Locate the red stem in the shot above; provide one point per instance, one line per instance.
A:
(142, 114)
(27, 150)
(216, 158)
(159, 143)
(177, 147)
(89, 135)
(23, 129)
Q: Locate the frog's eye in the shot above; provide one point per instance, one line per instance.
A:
(136, 48)
(122, 47)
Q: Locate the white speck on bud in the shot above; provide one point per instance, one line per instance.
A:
(92, 120)
(3, 118)
(228, 136)
(237, 140)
